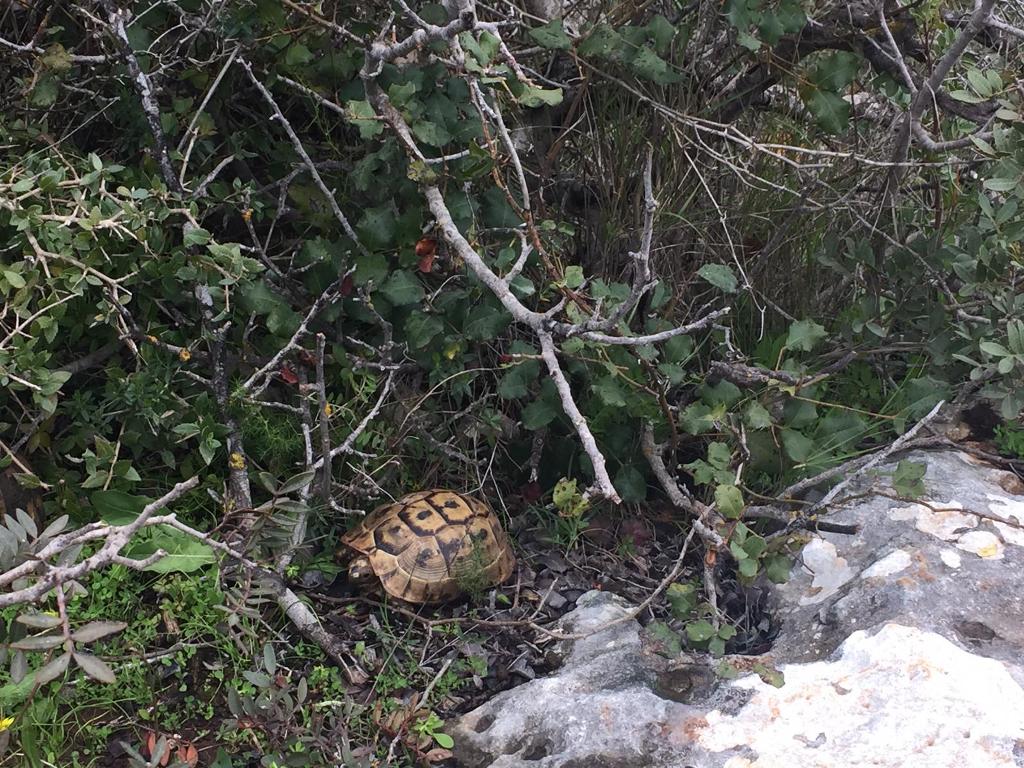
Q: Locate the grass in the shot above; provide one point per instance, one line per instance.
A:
(209, 678)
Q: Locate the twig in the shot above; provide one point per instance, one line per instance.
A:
(115, 537)
(252, 384)
(350, 441)
(876, 459)
(679, 497)
(324, 421)
(425, 700)
(145, 92)
(307, 161)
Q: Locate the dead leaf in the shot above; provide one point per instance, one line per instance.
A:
(426, 250)
(189, 755)
(437, 755)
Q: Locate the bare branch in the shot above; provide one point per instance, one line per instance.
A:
(678, 495)
(116, 538)
(301, 151)
(145, 92)
(253, 384)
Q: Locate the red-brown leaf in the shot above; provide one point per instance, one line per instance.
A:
(288, 374)
(426, 246)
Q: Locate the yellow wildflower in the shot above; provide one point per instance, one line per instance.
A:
(236, 461)
(184, 355)
(6, 723)
(328, 410)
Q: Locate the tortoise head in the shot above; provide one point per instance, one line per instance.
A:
(360, 572)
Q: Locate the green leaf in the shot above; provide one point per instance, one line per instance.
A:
(14, 279)
(748, 568)
(296, 483)
(421, 328)
(402, 288)
(1015, 336)
(756, 416)
(574, 277)
(1001, 185)
(376, 227)
(607, 388)
(777, 568)
(804, 335)
(630, 484)
(661, 31)
(770, 28)
(539, 97)
(57, 59)
(539, 414)
(552, 36)
(297, 55)
(798, 446)
(485, 322)
(196, 236)
(45, 91)
(965, 96)
(682, 598)
(602, 41)
(720, 276)
(117, 507)
(677, 349)
(907, 479)
(719, 455)
(444, 740)
(836, 71)
(980, 83)
(698, 418)
(754, 546)
(564, 493)
(361, 115)
(993, 348)
(729, 499)
(665, 638)
(830, 110)
(649, 65)
(184, 553)
(700, 631)
(769, 675)
(431, 133)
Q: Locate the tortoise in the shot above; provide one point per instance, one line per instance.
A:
(429, 547)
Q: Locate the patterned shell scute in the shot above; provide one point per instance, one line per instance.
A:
(427, 546)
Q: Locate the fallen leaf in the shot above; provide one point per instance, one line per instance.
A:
(188, 755)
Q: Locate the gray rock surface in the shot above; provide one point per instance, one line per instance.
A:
(900, 646)
(942, 564)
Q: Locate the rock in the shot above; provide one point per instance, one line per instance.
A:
(900, 646)
(599, 710)
(948, 559)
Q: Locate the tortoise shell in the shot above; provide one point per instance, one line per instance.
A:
(431, 546)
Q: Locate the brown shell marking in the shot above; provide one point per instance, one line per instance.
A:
(421, 545)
